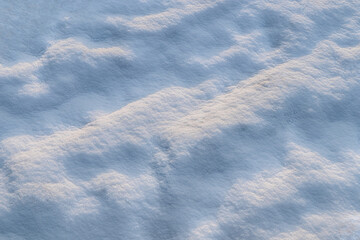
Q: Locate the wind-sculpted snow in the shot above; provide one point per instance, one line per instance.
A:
(206, 119)
(167, 18)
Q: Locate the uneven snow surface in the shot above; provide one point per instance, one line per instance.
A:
(180, 119)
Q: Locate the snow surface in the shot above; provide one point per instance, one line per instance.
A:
(180, 119)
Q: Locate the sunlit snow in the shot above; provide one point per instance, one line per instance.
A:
(180, 119)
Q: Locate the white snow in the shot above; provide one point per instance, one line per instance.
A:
(179, 119)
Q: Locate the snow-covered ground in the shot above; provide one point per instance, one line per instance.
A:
(180, 119)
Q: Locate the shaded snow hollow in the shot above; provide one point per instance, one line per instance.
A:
(180, 119)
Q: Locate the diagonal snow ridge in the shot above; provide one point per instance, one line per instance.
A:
(30, 161)
(270, 89)
(179, 119)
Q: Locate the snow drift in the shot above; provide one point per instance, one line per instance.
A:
(205, 119)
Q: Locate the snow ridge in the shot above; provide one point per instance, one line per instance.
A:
(178, 119)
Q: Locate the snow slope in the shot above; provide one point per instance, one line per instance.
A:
(180, 119)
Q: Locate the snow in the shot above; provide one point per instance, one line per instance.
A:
(179, 119)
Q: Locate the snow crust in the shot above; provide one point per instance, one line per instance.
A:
(180, 119)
